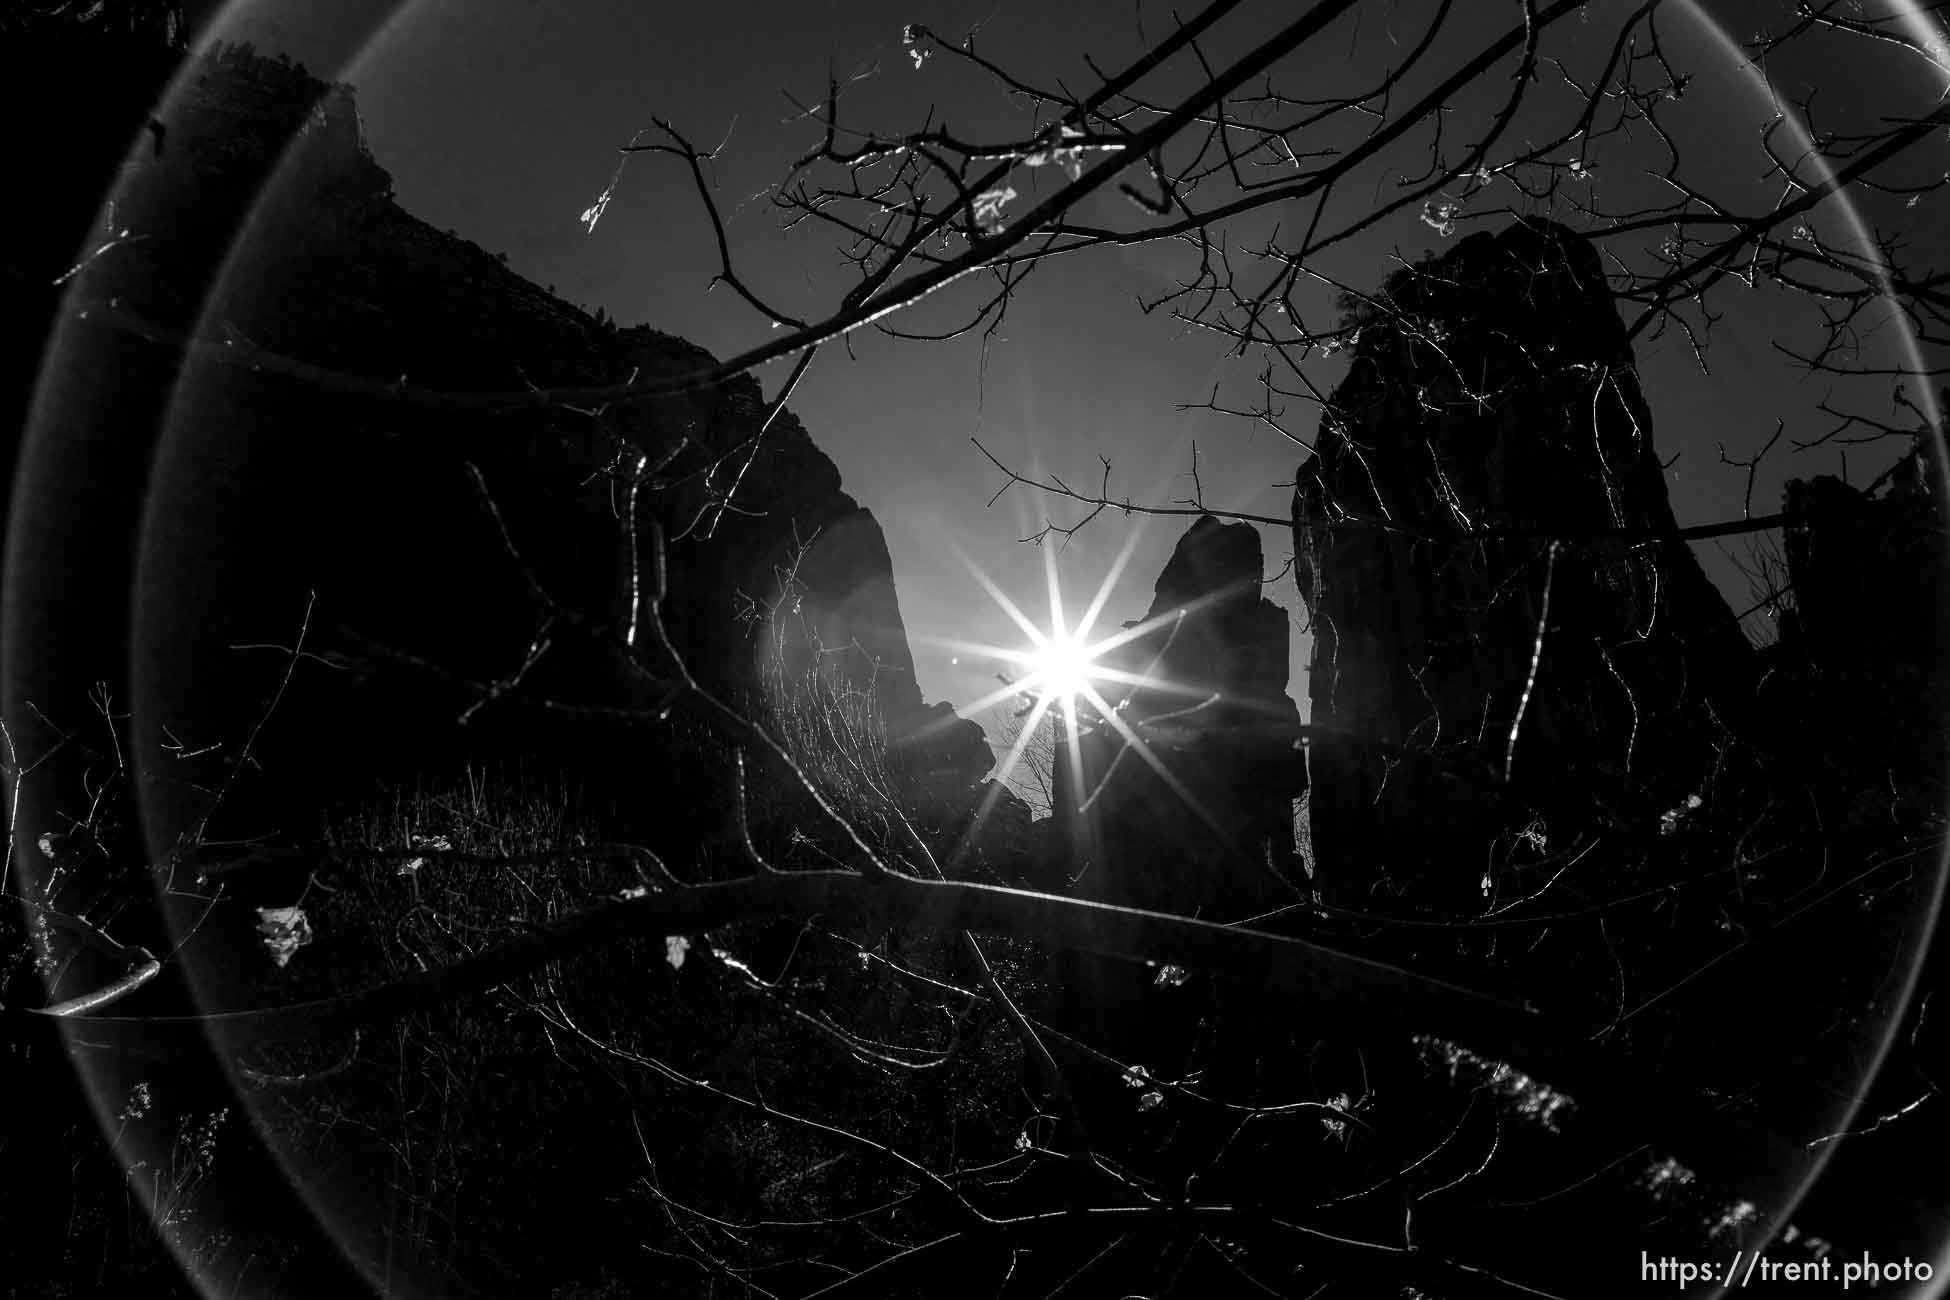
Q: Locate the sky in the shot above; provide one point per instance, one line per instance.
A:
(502, 121)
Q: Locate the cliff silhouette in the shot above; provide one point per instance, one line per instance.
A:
(1508, 635)
(1187, 806)
(1489, 434)
(1540, 737)
(469, 575)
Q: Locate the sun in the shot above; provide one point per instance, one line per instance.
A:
(1069, 677)
(1063, 669)
(1061, 666)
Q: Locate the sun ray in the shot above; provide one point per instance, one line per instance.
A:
(1006, 768)
(1134, 742)
(1055, 593)
(1102, 597)
(1149, 679)
(1002, 601)
(1125, 636)
(1072, 743)
(1063, 675)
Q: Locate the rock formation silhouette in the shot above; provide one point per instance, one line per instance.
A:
(1475, 540)
(470, 573)
(1205, 823)
(1865, 625)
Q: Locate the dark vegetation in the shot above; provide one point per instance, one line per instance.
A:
(550, 880)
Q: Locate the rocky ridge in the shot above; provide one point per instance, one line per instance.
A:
(1485, 472)
(471, 573)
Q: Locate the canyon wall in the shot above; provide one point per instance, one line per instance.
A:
(1495, 622)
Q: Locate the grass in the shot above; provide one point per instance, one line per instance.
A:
(590, 1129)
(598, 1123)
(437, 1111)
